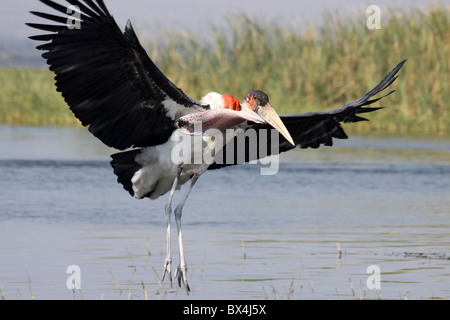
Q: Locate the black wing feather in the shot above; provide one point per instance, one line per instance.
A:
(309, 130)
(107, 78)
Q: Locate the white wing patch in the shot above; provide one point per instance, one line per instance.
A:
(175, 111)
(214, 100)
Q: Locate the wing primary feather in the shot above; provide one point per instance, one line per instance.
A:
(83, 8)
(50, 17)
(43, 37)
(103, 7)
(96, 8)
(55, 6)
(46, 27)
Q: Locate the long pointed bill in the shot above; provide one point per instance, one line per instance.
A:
(272, 118)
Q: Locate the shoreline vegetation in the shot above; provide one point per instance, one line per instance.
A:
(319, 67)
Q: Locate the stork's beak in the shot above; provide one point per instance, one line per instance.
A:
(271, 117)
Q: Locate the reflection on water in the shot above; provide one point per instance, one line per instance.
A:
(384, 201)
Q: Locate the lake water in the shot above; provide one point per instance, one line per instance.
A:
(385, 202)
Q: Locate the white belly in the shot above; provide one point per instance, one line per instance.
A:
(160, 163)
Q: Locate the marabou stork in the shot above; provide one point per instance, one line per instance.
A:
(112, 86)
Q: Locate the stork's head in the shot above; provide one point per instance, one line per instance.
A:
(255, 99)
(258, 102)
(217, 101)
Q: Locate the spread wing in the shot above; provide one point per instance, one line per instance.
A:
(107, 78)
(308, 130)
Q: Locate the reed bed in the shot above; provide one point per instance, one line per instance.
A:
(313, 68)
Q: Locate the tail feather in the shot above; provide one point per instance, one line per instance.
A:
(125, 166)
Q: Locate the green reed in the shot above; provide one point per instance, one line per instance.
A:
(313, 68)
(28, 97)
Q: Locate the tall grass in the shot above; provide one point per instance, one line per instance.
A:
(29, 97)
(318, 67)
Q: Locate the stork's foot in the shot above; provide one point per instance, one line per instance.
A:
(167, 271)
(180, 274)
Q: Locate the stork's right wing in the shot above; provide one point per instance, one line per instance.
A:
(107, 78)
(308, 130)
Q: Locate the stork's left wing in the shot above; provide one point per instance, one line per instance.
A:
(308, 130)
(107, 78)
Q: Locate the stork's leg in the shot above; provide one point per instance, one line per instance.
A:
(168, 261)
(181, 271)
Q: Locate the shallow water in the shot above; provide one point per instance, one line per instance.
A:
(383, 201)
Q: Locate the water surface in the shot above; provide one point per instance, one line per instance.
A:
(384, 201)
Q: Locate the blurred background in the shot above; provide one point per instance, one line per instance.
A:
(305, 55)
